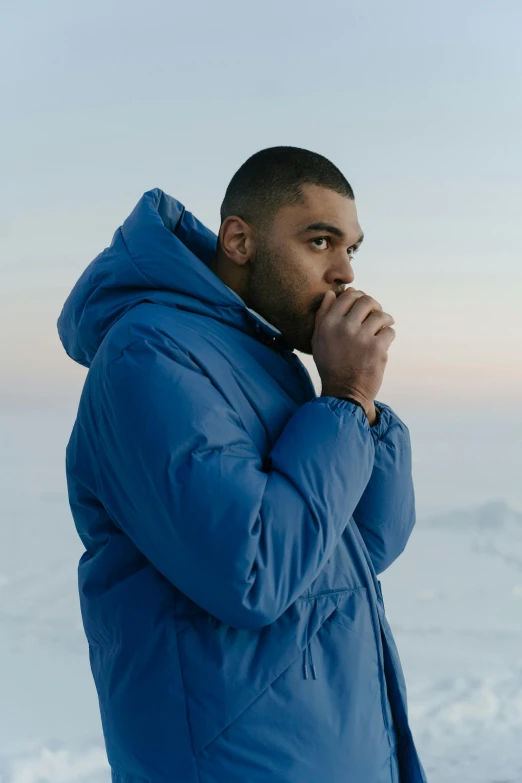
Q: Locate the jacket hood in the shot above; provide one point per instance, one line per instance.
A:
(161, 254)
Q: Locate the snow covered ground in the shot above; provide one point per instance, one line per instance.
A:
(455, 605)
(454, 600)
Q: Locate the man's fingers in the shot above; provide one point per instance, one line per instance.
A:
(347, 300)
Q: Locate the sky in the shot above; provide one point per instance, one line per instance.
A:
(418, 103)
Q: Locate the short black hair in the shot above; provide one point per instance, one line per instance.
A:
(272, 178)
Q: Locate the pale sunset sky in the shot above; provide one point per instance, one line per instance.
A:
(419, 104)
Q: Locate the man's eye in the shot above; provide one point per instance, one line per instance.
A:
(320, 239)
(351, 250)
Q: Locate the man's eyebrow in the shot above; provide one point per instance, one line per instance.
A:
(331, 229)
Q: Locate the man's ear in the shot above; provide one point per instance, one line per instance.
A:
(236, 240)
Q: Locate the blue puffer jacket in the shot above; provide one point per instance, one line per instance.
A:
(234, 524)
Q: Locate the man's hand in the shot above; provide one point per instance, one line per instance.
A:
(349, 345)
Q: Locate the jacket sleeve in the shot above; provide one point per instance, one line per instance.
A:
(178, 473)
(385, 514)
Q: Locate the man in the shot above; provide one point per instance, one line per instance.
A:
(234, 522)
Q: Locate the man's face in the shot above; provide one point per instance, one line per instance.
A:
(305, 253)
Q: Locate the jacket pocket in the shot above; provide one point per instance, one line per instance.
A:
(327, 728)
(225, 669)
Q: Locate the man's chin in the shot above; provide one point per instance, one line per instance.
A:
(300, 339)
(305, 349)
(303, 344)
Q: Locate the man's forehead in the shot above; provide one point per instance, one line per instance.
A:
(337, 217)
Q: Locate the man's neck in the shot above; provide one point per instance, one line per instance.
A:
(230, 274)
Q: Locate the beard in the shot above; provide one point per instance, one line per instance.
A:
(275, 291)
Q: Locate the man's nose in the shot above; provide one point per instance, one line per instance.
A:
(345, 274)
